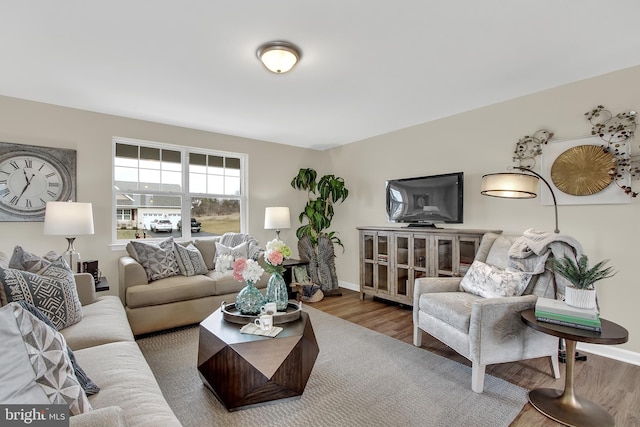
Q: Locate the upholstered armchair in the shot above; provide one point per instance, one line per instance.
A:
(485, 330)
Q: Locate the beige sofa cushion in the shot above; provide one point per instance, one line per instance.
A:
(126, 381)
(207, 248)
(104, 321)
(226, 284)
(171, 289)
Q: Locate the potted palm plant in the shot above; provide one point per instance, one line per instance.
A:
(315, 242)
(582, 292)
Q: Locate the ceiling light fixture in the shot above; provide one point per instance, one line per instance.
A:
(279, 57)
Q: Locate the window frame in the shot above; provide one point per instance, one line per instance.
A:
(185, 194)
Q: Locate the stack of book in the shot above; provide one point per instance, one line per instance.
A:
(559, 313)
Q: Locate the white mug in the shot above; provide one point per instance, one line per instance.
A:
(265, 322)
(269, 308)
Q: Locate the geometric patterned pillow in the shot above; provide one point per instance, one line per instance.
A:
(158, 259)
(53, 292)
(24, 260)
(489, 281)
(189, 260)
(86, 383)
(47, 353)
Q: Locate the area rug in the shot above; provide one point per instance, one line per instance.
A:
(361, 378)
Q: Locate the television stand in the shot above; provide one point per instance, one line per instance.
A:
(422, 225)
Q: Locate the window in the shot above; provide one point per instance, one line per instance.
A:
(154, 182)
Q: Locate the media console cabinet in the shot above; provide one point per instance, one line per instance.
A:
(391, 258)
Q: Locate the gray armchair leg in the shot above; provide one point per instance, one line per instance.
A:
(417, 336)
(555, 364)
(477, 377)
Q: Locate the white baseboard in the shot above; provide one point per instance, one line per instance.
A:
(612, 352)
(350, 286)
(609, 351)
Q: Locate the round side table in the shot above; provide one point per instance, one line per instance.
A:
(563, 405)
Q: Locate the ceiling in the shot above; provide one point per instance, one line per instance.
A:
(368, 67)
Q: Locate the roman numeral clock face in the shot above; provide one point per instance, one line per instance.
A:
(28, 181)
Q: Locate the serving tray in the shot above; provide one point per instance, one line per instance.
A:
(231, 314)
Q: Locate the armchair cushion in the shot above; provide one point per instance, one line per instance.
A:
(491, 282)
(453, 308)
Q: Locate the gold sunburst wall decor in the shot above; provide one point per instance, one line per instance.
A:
(584, 170)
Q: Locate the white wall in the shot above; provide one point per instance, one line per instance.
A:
(271, 168)
(482, 141)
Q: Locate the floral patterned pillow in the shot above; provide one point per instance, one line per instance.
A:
(492, 282)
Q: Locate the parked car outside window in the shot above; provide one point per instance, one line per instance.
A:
(195, 225)
(162, 225)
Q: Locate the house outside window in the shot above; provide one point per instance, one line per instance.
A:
(155, 183)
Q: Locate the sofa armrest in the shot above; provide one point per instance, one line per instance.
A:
(425, 285)
(111, 416)
(130, 273)
(86, 288)
(495, 321)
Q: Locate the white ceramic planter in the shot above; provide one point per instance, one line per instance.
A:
(580, 298)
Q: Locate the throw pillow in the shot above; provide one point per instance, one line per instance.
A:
(239, 251)
(24, 260)
(490, 282)
(44, 349)
(190, 260)
(157, 258)
(86, 383)
(53, 291)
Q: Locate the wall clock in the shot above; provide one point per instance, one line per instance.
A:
(31, 176)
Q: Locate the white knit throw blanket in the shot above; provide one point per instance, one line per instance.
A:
(530, 252)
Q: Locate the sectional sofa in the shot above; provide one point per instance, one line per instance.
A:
(104, 347)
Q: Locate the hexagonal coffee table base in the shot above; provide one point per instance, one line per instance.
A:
(246, 370)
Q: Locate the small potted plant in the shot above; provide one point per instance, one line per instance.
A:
(582, 292)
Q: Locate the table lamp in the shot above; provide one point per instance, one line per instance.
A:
(69, 219)
(277, 218)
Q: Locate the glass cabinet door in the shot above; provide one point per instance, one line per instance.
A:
(444, 250)
(467, 249)
(382, 244)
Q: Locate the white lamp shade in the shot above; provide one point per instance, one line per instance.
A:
(510, 185)
(277, 218)
(68, 218)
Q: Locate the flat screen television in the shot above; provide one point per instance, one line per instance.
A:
(427, 200)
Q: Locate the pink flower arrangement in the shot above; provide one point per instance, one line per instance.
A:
(277, 252)
(247, 270)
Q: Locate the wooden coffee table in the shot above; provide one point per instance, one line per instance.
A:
(244, 370)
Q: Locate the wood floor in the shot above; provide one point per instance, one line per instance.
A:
(612, 384)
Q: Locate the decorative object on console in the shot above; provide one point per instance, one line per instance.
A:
(70, 219)
(315, 244)
(249, 299)
(582, 292)
(31, 176)
(277, 251)
(279, 56)
(277, 218)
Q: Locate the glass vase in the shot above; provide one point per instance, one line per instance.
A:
(249, 300)
(277, 291)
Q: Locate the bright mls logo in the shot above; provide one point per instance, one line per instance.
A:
(34, 415)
